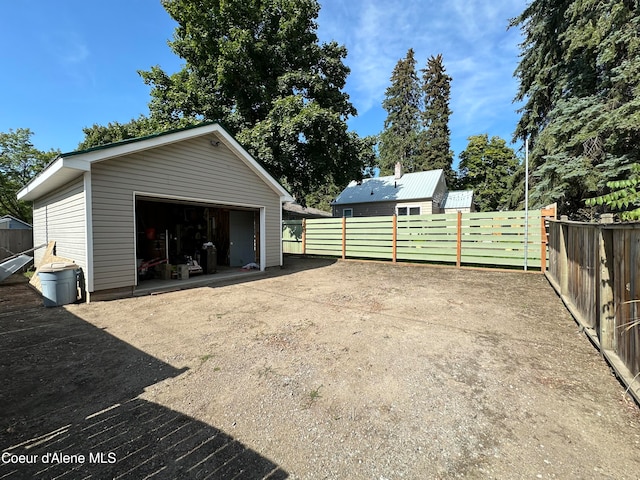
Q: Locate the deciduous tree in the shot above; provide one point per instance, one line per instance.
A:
(259, 68)
(20, 161)
(487, 166)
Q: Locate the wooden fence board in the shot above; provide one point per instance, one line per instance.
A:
(478, 238)
(15, 241)
(427, 257)
(595, 268)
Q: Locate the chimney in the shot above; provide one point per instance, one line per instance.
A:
(398, 170)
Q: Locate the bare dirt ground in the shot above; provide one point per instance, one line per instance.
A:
(320, 370)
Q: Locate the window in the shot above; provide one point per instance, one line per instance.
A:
(347, 212)
(408, 210)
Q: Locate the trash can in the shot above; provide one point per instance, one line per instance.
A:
(59, 282)
(209, 258)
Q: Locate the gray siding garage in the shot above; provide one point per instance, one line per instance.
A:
(110, 207)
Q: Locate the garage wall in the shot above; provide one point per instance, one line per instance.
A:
(60, 216)
(192, 169)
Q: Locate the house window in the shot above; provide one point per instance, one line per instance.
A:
(347, 212)
(408, 210)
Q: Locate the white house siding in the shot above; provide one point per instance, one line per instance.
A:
(60, 216)
(191, 169)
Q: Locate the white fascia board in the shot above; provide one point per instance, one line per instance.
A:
(145, 144)
(61, 171)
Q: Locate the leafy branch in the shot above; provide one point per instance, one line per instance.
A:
(624, 197)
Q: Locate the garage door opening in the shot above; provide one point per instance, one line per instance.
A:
(176, 239)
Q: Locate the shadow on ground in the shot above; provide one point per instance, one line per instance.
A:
(69, 388)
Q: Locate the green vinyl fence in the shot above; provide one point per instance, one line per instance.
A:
(491, 239)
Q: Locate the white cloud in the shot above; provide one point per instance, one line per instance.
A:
(66, 48)
(70, 55)
(478, 51)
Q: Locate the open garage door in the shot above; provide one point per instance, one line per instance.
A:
(172, 233)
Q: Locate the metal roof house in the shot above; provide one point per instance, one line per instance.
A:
(418, 193)
(161, 197)
(458, 201)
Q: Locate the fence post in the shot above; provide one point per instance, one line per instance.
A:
(543, 242)
(459, 240)
(344, 237)
(563, 260)
(304, 236)
(394, 240)
(606, 307)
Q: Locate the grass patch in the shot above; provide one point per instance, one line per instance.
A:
(206, 357)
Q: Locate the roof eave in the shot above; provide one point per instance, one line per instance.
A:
(61, 171)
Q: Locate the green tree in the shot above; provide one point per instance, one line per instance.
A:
(487, 166)
(580, 80)
(435, 137)
(258, 67)
(138, 127)
(20, 161)
(399, 140)
(624, 196)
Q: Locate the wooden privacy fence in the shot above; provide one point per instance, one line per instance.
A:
(595, 268)
(15, 241)
(490, 239)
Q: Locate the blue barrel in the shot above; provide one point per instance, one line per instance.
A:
(59, 282)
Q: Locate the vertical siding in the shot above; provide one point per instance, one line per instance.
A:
(191, 169)
(60, 216)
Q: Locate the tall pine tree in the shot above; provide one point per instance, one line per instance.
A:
(580, 80)
(399, 139)
(435, 137)
(416, 130)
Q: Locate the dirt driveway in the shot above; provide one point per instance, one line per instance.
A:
(337, 370)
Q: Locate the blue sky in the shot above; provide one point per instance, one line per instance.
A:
(70, 64)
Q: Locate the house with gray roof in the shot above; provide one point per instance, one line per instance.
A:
(8, 222)
(418, 193)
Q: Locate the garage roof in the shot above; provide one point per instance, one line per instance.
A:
(68, 166)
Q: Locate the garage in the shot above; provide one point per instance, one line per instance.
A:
(163, 207)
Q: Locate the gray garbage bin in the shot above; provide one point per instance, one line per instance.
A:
(59, 282)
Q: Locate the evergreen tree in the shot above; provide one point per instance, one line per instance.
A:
(580, 77)
(399, 141)
(486, 167)
(435, 136)
(259, 68)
